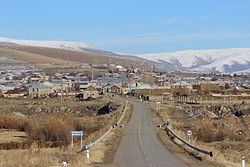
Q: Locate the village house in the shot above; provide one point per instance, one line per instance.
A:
(148, 92)
(16, 93)
(153, 93)
(80, 86)
(116, 89)
(138, 85)
(38, 90)
(105, 81)
(182, 84)
(59, 86)
(80, 83)
(8, 86)
(113, 89)
(89, 92)
(161, 79)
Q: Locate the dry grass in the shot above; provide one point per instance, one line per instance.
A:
(45, 157)
(52, 105)
(227, 137)
(52, 130)
(47, 127)
(12, 136)
(188, 156)
(62, 57)
(36, 59)
(13, 122)
(55, 127)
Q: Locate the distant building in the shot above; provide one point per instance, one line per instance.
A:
(113, 89)
(103, 81)
(118, 67)
(37, 90)
(8, 86)
(59, 86)
(18, 92)
(182, 84)
(90, 92)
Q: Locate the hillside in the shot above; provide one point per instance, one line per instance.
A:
(53, 54)
(17, 59)
(53, 57)
(64, 53)
(221, 60)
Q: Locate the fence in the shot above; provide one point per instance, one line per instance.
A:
(105, 134)
(123, 113)
(210, 153)
(98, 140)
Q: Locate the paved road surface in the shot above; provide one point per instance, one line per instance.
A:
(140, 146)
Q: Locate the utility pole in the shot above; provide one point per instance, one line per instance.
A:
(92, 74)
(62, 93)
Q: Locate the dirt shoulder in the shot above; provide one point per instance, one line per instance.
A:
(105, 151)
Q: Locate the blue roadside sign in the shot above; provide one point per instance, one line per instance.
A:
(76, 133)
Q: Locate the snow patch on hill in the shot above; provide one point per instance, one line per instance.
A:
(77, 46)
(222, 60)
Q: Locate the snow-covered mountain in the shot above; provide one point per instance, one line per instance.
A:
(222, 60)
(74, 46)
(47, 44)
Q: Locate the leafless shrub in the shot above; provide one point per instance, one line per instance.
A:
(13, 122)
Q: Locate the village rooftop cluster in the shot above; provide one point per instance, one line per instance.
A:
(151, 85)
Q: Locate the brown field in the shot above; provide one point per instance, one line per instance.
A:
(36, 132)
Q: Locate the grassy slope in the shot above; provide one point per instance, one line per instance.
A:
(32, 58)
(44, 55)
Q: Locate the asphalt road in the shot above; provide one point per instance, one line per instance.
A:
(140, 147)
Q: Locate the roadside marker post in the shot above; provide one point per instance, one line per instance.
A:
(158, 103)
(243, 163)
(65, 164)
(76, 134)
(88, 154)
(189, 133)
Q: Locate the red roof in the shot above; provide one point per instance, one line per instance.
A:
(15, 91)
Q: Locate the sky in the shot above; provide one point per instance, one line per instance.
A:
(130, 26)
